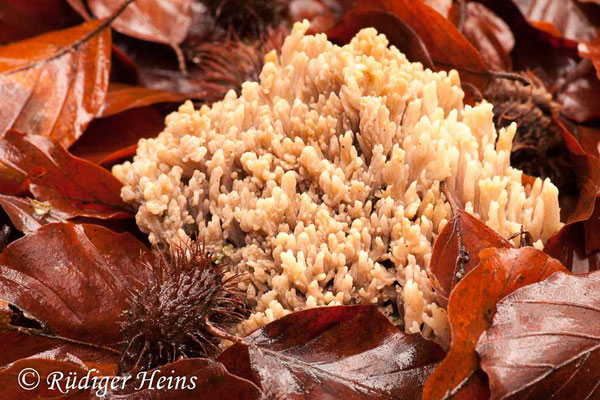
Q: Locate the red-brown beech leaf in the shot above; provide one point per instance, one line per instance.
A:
(73, 279)
(19, 351)
(126, 129)
(471, 308)
(487, 32)
(72, 186)
(55, 84)
(447, 46)
(27, 215)
(122, 97)
(587, 209)
(589, 138)
(543, 342)
(470, 233)
(570, 18)
(16, 345)
(591, 50)
(398, 33)
(212, 381)
(568, 246)
(579, 93)
(160, 21)
(340, 352)
(535, 49)
(23, 19)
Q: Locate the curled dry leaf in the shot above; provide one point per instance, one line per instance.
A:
(212, 382)
(447, 46)
(457, 247)
(579, 94)
(471, 308)
(73, 279)
(587, 168)
(536, 50)
(591, 50)
(568, 247)
(398, 33)
(161, 21)
(490, 35)
(27, 215)
(577, 244)
(341, 352)
(72, 186)
(543, 342)
(569, 18)
(55, 84)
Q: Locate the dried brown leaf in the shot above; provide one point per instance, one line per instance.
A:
(72, 186)
(55, 84)
(73, 279)
(161, 21)
(342, 352)
(27, 215)
(543, 342)
(471, 308)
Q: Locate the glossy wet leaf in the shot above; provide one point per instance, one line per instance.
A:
(543, 342)
(126, 127)
(122, 97)
(55, 84)
(23, 19)
(73, 279)
(72, 186)
(471, 308)
(212, 381)
(342, 352)
(19, 351)
(27, 215)
(17, 345)
(470, 233)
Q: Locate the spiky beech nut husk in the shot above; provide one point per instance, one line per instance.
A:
(226, 64)
(538, 148)
(177, 314)
(248, 17)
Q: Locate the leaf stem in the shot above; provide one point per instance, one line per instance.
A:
(35, 332)
(492, 74)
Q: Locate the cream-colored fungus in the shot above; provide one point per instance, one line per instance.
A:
(322, 181)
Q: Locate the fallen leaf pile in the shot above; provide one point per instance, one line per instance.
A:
(83, 80)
